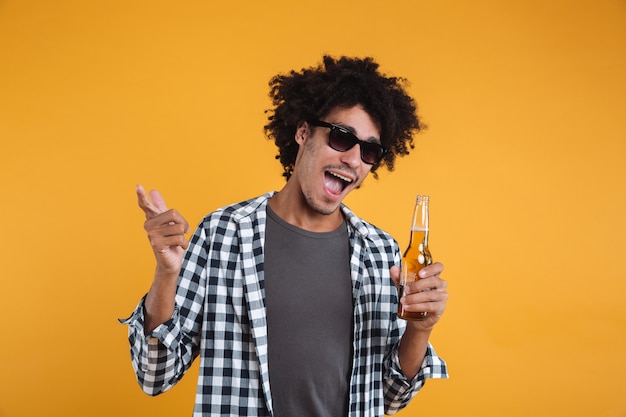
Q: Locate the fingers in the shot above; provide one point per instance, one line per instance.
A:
(167, 236)
(158, 200)
(429, 293)
(166, 233)
(429, 279)
(166, 224)
(433, 302)
(165, 228)
(154, 205)
(426, 285)
(431, 270)
(144, 203)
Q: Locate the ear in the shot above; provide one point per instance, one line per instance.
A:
(302, 133)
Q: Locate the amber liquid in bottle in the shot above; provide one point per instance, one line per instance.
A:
(416, 256)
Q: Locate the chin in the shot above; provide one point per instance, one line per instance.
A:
(325, 208)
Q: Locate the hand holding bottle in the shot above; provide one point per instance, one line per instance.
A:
(426, 297)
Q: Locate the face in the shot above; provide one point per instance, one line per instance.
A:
(325, 175)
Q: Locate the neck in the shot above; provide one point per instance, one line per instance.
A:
(291, 206)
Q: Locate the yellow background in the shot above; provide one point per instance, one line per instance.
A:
(524, 158)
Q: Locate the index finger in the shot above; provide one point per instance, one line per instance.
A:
(430, 270)
(144, 203)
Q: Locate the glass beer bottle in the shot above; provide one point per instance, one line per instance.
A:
(416, 256)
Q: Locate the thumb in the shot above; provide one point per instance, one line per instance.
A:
(395, 275)
(158, 201)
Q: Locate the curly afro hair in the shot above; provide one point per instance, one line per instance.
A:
(345, 82)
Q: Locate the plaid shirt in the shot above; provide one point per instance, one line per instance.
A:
(220, 315)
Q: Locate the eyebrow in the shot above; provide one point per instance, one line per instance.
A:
(352, 130)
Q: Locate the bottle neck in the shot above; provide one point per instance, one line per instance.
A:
(419, 227)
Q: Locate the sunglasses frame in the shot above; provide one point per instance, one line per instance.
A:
(356, 141)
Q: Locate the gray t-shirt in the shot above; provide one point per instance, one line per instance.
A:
(308, 295)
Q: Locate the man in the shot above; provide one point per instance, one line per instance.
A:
(289, 299)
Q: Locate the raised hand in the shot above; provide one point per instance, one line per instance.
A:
(166, 231)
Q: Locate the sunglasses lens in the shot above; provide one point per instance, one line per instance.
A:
(370, 152)
(341, 140)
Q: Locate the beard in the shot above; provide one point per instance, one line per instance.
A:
(325, 208)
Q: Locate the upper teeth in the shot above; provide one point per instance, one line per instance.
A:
(341, 177)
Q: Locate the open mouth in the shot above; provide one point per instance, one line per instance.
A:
(335, 182)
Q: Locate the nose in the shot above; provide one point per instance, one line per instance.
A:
(352, 157)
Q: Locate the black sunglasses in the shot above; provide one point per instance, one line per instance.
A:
(341, 139)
